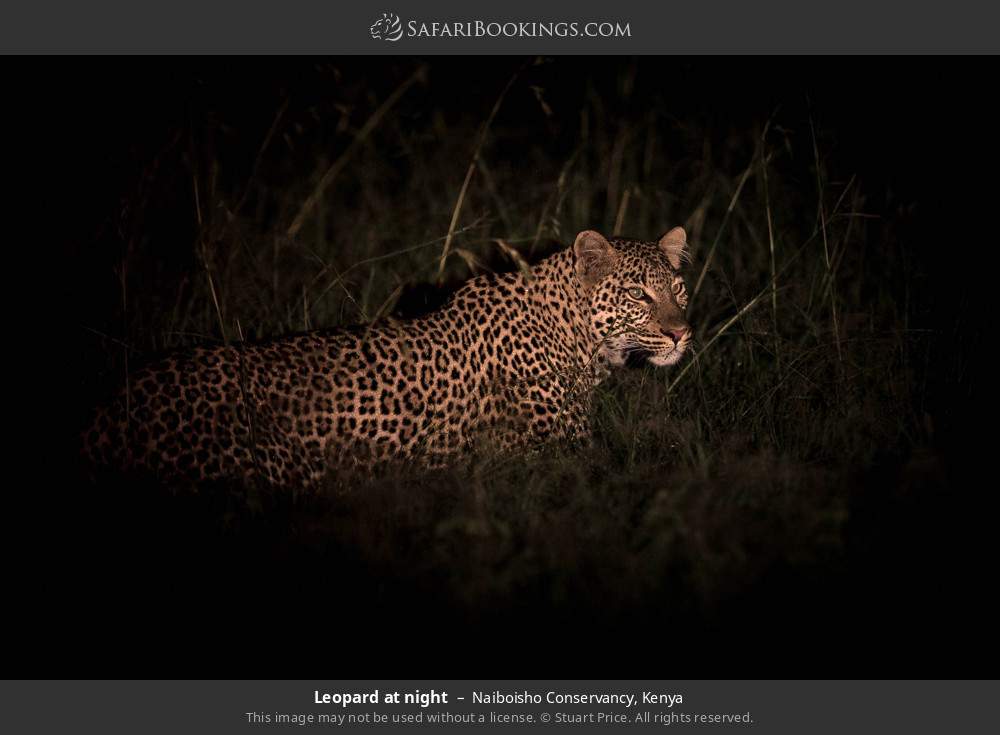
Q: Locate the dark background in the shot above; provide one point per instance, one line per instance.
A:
(125, 580)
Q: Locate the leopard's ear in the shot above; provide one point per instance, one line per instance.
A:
(674, 245)
(594, 257)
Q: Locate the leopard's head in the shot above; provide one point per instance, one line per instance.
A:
(637, 296)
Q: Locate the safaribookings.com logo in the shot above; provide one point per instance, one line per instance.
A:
(390, 28)
(387, 28)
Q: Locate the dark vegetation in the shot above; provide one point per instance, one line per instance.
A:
(794, 499)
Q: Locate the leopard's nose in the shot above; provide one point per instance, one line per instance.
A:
(678, 333)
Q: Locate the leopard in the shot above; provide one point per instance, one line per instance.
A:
(510, 361)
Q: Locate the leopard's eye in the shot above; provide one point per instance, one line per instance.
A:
(637, 293)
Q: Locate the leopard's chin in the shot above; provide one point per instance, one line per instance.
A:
(630, 355)
(663, 359)
(637, 358)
